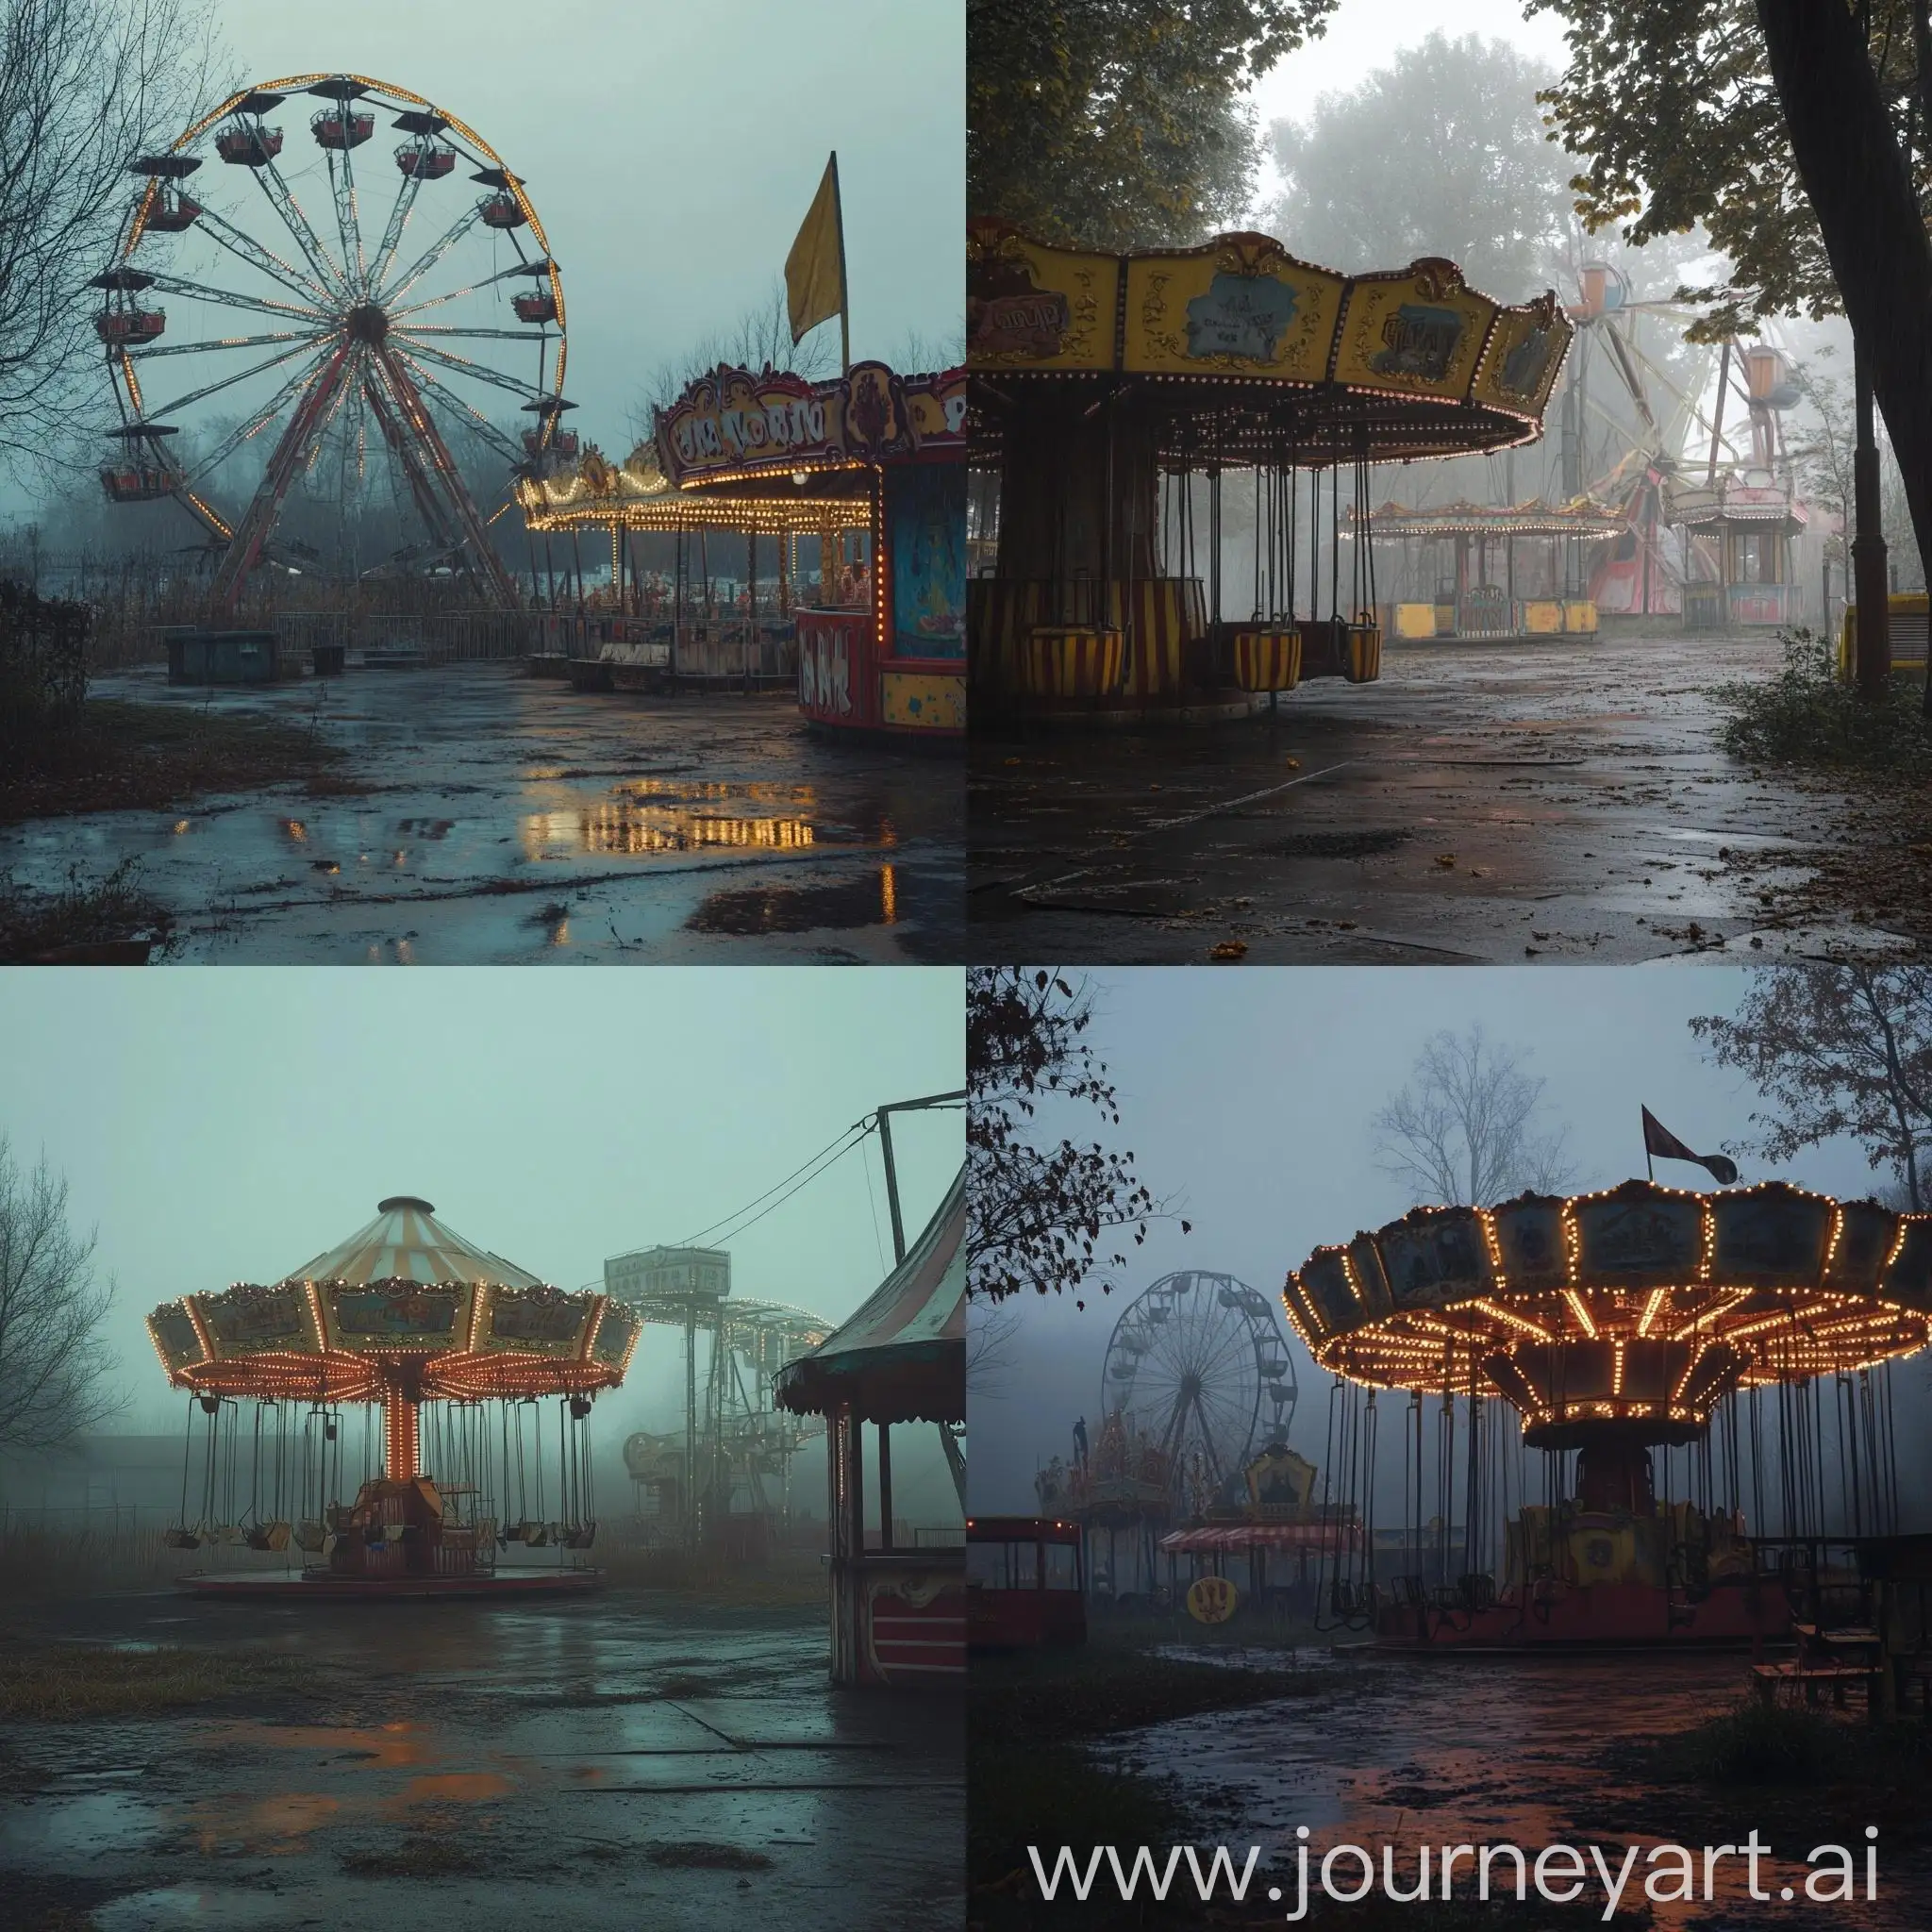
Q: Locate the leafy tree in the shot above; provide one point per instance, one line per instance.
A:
(1839, 1050)
(1442, 152)
(1037, 1212)
(53, 1362)
(1465, 1128)
(1799, 134)
(1120, 122)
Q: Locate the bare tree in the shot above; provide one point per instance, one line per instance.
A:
(760, 339)
(1841, 1051)
(53, 1362)
(85, 87)
(1465, 1128)
(1037, 1210)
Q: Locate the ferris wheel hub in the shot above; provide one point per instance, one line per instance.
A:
(366, 322)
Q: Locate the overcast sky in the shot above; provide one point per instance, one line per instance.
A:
(227, 1126)
(1247, 1097)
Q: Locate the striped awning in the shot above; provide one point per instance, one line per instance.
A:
(406, 1243)
(901, 1357)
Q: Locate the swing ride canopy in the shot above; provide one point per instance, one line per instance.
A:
(1625, 1314)
(901, 1357)
(1250, 357)
(404, 1310)
(1583, 516)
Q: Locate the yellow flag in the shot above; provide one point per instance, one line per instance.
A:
(815, 269)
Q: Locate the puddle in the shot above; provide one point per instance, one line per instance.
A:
(874, 900)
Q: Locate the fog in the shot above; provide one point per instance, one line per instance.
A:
(225, 1126)
(1247, 1098)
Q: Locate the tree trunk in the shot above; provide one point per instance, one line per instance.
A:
(1874, 235)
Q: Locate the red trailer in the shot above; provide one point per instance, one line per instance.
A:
(1025, 1585)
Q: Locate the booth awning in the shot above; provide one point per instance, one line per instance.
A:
(901, 1357)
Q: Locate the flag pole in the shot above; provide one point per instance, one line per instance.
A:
(1649, 1165)
(845, 297)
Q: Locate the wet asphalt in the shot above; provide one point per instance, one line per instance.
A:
(512, 820)
(1498, 803)
(573, 1755)
(1527, 1751)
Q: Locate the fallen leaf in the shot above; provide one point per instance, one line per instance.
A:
(1230, 949)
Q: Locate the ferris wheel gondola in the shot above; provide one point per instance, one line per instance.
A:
(324, 331)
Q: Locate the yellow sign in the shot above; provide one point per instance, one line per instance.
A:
(1032, 307)
(1418, 332)
(1241, 304)
(1211, 1599)
(1520, 364)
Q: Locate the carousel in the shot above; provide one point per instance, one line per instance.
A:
(452, 1356)
(1160, 444)
(898, 1615)
(867, 470)
(1470, 570)
(1704, 1375)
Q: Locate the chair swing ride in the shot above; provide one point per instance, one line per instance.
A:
(459, 1350)
(1748, 1333)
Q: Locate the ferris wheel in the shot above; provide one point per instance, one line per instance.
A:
(1198, 1363)
(362, 355)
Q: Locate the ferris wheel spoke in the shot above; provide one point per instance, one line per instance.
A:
(247, 248)
(431, 256)
(179, 403)
(254, 426)
(519, 273)
(478, 421)
(470, 335)
(399, 214)
(282, 199)
(200, 292)
(287, 335)
(461, 365)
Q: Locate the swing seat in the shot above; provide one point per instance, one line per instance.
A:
(228, 1533)
(269, 1536)
(180, 1540)
(580, 1536)
(309, 1534)
(533, 1535)
(1072, 662)
(1268, 658)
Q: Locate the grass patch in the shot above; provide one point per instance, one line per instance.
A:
(1091, 1691)
(696, 1856)
(122, 756)
(1803, 716)
(66, 1683)
(108, 920)
(1754, 1743)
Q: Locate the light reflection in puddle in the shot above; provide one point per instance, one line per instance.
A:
(458, 1787)
(275, 1824)
(621, 827)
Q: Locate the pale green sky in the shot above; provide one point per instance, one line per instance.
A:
(225, 1126)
